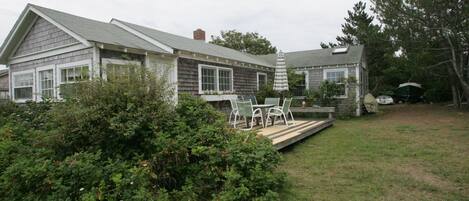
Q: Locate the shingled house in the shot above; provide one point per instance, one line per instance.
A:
(334, 64)
(47, 49)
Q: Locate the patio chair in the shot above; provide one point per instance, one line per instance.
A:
(272, 101)
(251, 98)
(281, 112)
(246, 110)
(234, 109)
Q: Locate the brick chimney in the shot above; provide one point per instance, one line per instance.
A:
(199, 34)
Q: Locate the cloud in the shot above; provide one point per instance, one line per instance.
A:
(290, 25)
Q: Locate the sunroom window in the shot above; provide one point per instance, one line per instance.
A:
(23, 86)
(71, 75)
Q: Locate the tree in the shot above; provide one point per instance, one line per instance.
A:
(360, 30)
(249, 42)
(439, 28)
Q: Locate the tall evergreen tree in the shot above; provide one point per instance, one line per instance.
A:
(438, 29)
(359, 29)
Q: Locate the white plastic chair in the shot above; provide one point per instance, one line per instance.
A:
(283, 111)
(245, 110)
(234, 109)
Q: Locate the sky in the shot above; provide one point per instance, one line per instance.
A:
(290, 25)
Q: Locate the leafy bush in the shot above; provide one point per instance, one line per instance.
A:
(126, 140)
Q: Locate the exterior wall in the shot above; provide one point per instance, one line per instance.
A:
(245, 79)
(43, 36)
(69, 57)
(346, 106)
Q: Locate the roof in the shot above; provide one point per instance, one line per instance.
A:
(97, 31)
(197, 46)
(82, 28)
(320, 57)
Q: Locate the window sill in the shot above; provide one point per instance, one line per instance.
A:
(224, 97)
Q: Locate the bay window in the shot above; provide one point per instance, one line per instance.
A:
(337, 76)
(213, 79)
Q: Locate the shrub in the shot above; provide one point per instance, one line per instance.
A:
(126, 140)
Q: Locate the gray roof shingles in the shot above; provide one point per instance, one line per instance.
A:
(188, 44)
(97, 31)
(320, 57)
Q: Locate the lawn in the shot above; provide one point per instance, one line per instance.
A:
(405, 152)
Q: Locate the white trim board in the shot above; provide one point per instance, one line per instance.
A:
(142, 36)
(48, 53)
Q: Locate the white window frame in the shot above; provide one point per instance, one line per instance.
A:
(60, 67)
(345, 70)
(257, 79)
(217, 79)
(38, 84)
(13, 74)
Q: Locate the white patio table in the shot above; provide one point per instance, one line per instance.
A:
(264, 108)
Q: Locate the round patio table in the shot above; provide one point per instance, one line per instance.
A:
(264, 108)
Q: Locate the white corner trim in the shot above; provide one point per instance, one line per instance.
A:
(257, 79)
(216, 68)
(142, 36)
(66, 30)
(48, 53)
(357, 78)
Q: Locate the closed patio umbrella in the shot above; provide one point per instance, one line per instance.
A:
(281, 79)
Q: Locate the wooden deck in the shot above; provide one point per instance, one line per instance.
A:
(283, 136)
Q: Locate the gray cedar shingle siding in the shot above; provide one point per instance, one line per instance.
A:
(56, 59)
(245, 80)
(43, 36)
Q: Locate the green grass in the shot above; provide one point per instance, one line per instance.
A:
(416, 152)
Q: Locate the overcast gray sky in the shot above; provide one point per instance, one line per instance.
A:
(290, 25)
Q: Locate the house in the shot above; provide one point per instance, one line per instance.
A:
(334, 64)
(4, 84)
(47, 50)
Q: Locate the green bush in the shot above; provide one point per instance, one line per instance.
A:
(126, 140)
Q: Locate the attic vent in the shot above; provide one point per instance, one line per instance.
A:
(340, 50)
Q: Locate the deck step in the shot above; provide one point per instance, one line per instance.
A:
(293, 129)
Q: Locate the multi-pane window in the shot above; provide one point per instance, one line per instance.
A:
(23, 86)
(46, 83)
(337, 76)
(118, 71)
(261, 80)
(224, 77)
(215, 79)
(71, 75)
(208, 79)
